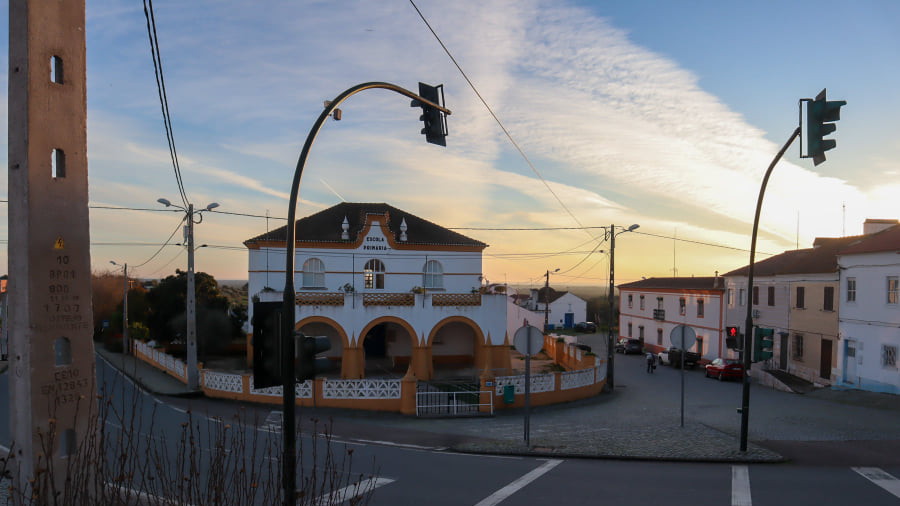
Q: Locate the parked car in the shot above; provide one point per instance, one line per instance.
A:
(662, 358)
(673, 358)
(626, 346)
(586, 327)
(723, 368)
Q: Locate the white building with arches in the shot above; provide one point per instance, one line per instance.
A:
(395, 293)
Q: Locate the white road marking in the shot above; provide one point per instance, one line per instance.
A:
(740, 486)
(401, 445)
(350, 491)
(501, 495)
(881, 478)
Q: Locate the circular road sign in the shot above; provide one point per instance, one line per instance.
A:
(683, 332)
(528, 335)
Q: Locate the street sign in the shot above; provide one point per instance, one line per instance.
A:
(682, 337)
(528, 340)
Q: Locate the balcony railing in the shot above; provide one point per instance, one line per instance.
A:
(659, 314)
(319, 299)
(389, 299)
(456, 299)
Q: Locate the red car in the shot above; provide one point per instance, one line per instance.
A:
(723, 368)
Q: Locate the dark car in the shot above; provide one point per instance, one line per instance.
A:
(690, 358)
(723, 368)
(626, 346)
(586, 327)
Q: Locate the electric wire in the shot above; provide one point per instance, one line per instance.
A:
(499, 123)
(164, 244)
(163, 100)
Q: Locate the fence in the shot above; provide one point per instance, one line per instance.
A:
(437, 403)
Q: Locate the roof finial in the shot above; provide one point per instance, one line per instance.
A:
(345, 227)
(403, 228)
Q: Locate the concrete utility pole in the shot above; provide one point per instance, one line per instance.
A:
(193, 371)
(547, 300)
(51, 369)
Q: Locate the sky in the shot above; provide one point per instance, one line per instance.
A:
(662, 114)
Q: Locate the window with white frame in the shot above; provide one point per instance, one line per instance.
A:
(434, 275)
(682, 306)
(659, 303)
(770, 295)
(313, 273)
(641, 332)
(373, 273)
(630, 301)
(851, 289)
(629, 329)
(642, 302)
(828, 300)
(729, 298)
(741, 297)
(700, 307)
(889, 356)
(892, 285)
(801, 297)
(659, 336)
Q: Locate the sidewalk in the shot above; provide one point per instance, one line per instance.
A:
(503, 433)
(148, 377)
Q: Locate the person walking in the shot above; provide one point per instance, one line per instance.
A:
(651, 362)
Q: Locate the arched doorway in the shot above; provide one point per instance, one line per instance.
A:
(456, 347)
(318, 326)
(387, 349)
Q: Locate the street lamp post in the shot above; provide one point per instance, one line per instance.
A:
(610, 342)
(193, 373)
(547, 300)
(289, 401)
(126, 342)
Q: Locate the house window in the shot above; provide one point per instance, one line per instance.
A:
(434, 275)
(828, 303)
(698, 347)
(797, 350)
(629, 329)
(682, 306)
(741, 297)
(729, 297)
(630, 301)
(313, 273)
(770, 296)
(700, 304)
(801, 297)
(889, 356)
(851, 289)
(642, 302)
(755, 295)
(373, 273)
(641, 332)
(659, 303)
(659, 336)
(892, 289)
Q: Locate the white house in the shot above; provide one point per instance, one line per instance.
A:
(562, 309)
(650, 308)
(395, 293)
(870, 310)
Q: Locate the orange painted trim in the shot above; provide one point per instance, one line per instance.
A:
(479, 335)
(388, 319)
(345, 340)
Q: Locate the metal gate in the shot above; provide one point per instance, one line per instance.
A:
(451, 398)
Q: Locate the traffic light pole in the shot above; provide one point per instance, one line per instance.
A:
(748, 323)
(289, 460)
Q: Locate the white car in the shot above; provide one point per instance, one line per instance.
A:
(663, 358)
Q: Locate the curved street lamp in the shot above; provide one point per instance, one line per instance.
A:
(193, 372)
(429, 106)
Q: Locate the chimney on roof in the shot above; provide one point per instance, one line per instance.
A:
(871, 225)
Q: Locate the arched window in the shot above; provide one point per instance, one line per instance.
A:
(434, 275)
(374, 274)
(313, 273)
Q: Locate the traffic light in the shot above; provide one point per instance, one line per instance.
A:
(763, 344)
(733, 339)
(309, 347)
(435, 125)
(267, 344)
(820, 117)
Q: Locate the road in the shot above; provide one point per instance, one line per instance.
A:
(836, 456)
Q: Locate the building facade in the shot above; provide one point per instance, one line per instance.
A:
(396, 294)
(649, 309)
(795, 294)
(870, 312)
(562, 309)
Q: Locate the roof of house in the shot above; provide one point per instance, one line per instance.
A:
(692, 283)
(326, 227)
(554, 295)
(885, 240)
(821, 258)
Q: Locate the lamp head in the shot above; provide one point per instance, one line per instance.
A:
(212, 206)
(113, 262)
(633, 227)
(164, 202)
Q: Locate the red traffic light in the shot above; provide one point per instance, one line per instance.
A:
(731, 331)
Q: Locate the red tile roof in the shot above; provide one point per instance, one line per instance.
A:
(885, 240)
(821, 258)
(693, 283)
